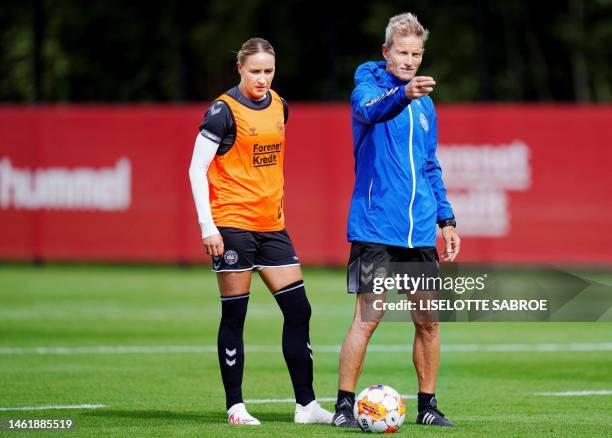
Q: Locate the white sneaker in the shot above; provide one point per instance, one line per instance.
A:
(238, 414)
(312, 413)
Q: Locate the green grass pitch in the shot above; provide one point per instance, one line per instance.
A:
(179, 393)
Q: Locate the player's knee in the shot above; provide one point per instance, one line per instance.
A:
(294, 303)
(364, 329)
(234, 310)
(307, 310)
(300, 312)
(430, 328)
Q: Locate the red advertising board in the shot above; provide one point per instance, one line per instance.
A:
(110, 183)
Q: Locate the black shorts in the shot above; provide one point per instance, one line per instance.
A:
(245, 250)
(370, 260)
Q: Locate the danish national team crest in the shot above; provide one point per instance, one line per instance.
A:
(424, 122)
(230, 257)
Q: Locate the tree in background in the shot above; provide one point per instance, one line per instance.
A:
(115, 51)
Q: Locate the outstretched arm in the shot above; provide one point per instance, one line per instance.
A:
(372, 104)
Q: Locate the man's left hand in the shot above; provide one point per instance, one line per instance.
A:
(453, 243)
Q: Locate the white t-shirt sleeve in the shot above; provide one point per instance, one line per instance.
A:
(204, 152)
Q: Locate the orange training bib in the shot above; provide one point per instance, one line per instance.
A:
(246, 184)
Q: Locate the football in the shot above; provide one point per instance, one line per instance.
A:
(380, 409)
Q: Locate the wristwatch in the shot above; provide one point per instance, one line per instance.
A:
(451, 222)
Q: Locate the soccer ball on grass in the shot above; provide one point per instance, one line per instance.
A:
(380, 409)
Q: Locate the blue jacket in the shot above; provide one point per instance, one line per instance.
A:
(399, 195)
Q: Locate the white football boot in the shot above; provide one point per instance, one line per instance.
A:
(238, 414)
(312, 413)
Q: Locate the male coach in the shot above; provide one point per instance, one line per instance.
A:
(398, 198)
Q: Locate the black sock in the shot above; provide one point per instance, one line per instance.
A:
(296, 339)
(342, 395)
(230, 346)
(426, 401)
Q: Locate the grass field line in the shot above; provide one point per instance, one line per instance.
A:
(292, 400)
(389, 348)
(51, 407)
(575, 393)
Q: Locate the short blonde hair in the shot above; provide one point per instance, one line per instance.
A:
(404, 24)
